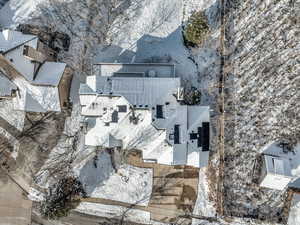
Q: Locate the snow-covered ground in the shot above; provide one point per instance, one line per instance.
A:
(17, 11)
(148, 30)
(13, 117)
(203, 205)
(294, 216)
(128, 184)
(117, 212)
(35, 195)
(11, 139)
(150, 34)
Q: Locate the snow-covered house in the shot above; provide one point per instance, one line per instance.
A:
(140, 106)
(30, 75)
(277, 166)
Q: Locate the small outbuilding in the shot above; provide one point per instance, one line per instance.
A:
(276, 166)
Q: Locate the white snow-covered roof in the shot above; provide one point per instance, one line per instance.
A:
(6, 86)
(50, 74)
(47, 97)
(10, 39)
(276, 160)
(156, 121)
(38, 99)
(99, 109)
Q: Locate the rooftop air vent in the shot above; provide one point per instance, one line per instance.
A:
(152, 73)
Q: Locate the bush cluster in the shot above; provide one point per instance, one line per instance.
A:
(196, 29)
(62, 197)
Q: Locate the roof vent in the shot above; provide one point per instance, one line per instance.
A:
(180, 94)
(152, 73)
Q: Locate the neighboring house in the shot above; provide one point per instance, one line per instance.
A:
(140, 105)
(278, 164)
(31, 76)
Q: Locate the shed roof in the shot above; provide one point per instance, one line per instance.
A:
(10, 39)
(50, 74)
(6, 86)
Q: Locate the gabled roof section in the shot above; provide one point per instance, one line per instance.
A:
(32, 105)
(50, 74)
(6, 86)
(10, 39)
(277, 165)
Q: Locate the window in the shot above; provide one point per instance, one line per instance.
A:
(193, 136)
(114, 117)
(177, 134)
(122, 108)
(199, 137)
(205, 136)
(159, 111)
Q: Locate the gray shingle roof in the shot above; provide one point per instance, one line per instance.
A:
(6, 86)
(50, 74)
(85, 89)
(11, 39)
(138, 91)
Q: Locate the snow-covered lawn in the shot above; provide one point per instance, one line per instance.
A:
(17, 11)
(110, 211)
(203, 205)
(294, 216)
(129, 184)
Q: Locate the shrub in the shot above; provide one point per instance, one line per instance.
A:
(196, 29)
(192, 97)
(62, 197)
